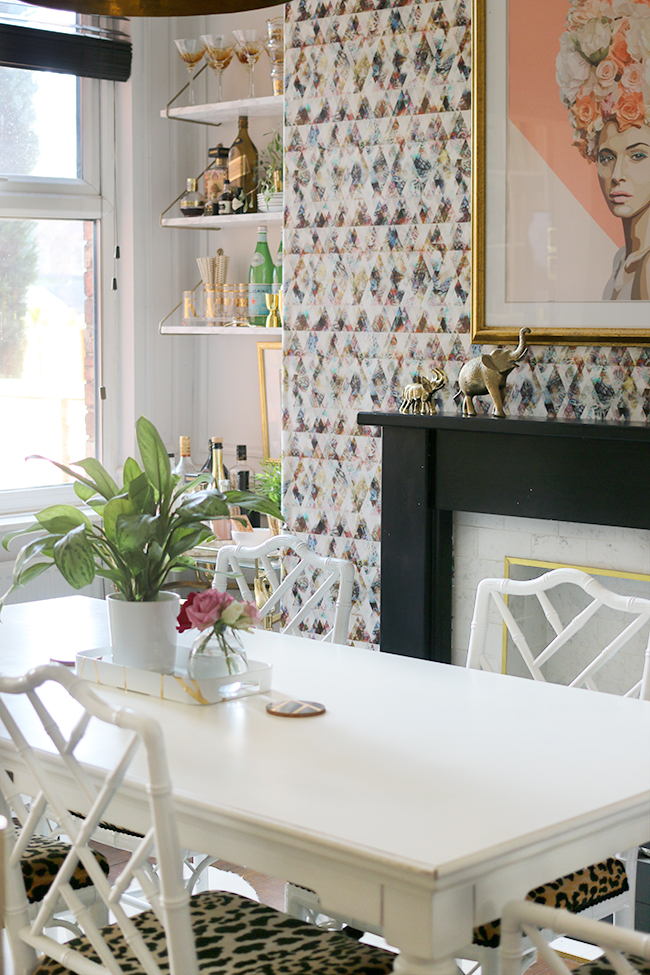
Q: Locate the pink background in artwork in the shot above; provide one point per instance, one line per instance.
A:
(535, 108)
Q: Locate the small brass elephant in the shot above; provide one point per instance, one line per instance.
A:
(488, 374)
(416, 397)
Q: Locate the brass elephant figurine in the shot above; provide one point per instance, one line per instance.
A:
(488, 374)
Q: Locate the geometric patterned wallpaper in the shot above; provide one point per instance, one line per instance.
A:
(377, 264)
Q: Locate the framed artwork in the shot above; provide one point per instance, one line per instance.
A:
(269, 358)
(561, 171)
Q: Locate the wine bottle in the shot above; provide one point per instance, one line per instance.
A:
(242, 165)
(185, 469)
(207, 467)
(260, 280)
(220, 526)
(240, 473)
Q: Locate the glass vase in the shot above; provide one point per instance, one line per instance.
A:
(216, 655)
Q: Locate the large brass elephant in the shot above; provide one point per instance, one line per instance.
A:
(488, 374)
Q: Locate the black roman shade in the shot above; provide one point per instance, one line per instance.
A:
(67, 53)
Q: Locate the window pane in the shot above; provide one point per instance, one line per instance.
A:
(38, 124)
(47, 348)
(15, 12)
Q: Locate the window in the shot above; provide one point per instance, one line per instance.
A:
(51, 228)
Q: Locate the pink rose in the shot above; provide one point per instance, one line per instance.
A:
(632, 77)
(618, 51)
(585, 111)
(207, 607)
(630, 110)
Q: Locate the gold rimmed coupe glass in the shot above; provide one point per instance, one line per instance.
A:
(218, 54)
(248, 50)
(191, 52)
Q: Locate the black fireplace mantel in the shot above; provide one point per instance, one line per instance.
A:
(594, 472)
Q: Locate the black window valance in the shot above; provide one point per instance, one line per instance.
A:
(78, 54)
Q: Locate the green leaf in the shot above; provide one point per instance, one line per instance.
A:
(9, 537)
(193, 485)
(183, 539)
(62, 518)
(83, 491)
(154, 457)
(254, 502)
(99, 475)
(40, 546)
(133, 532)
(73, 555)
(31, 572)
(112, 511)
(131, 470)
(141, 495)
(203, 504)
(69, 472)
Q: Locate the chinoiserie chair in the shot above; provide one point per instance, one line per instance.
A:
(332, 572)
(626, 952)
(212, 932)
(608, 887)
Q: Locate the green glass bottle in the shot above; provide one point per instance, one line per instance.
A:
(277, 270)
(260, 280)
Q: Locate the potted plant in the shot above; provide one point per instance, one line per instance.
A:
(268, 483)
(144, 532)
(271, 168)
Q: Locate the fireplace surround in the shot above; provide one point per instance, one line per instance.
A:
(591, 472)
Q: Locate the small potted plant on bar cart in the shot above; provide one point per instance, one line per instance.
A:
(143, 533)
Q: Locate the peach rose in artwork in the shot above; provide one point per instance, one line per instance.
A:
(630, 110)
(618, 50)
(585, 111)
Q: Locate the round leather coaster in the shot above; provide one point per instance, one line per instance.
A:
(296, 709)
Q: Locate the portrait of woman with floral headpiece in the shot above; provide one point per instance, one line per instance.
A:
(603, 71)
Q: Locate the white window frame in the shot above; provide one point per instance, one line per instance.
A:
(86, 198)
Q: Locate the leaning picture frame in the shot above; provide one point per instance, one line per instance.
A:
(269, 359)
(548, 232)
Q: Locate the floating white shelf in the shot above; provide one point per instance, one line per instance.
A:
(271, 106)
(224, 223)
(239, 330)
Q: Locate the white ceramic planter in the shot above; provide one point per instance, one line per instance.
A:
(143, 635)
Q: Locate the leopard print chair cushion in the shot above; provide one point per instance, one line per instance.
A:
(576, 892)
(41, 862)
(602, 967)
(237, 936)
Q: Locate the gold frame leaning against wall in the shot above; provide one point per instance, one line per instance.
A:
(560, 189)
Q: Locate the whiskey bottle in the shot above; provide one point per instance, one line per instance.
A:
(260, 280)
(185, 469)
(242, 165)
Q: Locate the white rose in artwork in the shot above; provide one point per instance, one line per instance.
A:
(572, 70)
(594, 38)
(638, 36)
(580, 13)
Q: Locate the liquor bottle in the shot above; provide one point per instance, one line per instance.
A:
(220, 526)
(185, 468)
(240, 473)
(207, 467)
(242, 165)
(225, 200)
(192, 203)
(260, 280)
(172, 460)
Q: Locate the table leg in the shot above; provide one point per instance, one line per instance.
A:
(410, 965)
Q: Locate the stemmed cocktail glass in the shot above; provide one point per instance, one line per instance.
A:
(218, 54)
(191, 53)
(248, 50)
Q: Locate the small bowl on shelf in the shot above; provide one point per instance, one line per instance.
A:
(250, 539)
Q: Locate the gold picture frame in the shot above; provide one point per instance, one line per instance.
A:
(269, 360)
(500, 232)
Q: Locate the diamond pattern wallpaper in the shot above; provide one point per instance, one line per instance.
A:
(377, 265)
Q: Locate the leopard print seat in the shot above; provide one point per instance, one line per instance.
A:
(602, 967)
(576, 892)
(41, 862)
(237, 936)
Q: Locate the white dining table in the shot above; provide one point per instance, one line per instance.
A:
(424, 799)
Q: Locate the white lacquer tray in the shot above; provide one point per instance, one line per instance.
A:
(97, 667)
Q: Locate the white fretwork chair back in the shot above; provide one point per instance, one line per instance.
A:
(621, 903)
(231, 558)
(524, 919)
(494, 590)
(58, 782)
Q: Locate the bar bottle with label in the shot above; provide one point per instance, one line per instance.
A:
(220, 526)
(260, 280)
(185, 468)
(242, 166)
